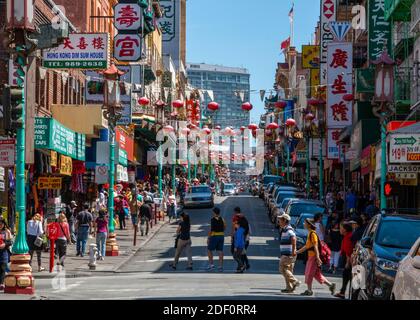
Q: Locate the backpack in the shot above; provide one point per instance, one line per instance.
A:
(324, 251)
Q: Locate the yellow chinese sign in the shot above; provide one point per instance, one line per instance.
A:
(310, 57)
(49, 183)
(66, 166)
(314, 81)
(53, 158)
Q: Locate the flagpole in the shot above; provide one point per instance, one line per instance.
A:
(292, 24)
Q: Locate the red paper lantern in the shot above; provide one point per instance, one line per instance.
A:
(217, 127)
(268, 133)
(213, 106)
(252, 126)
(178, 104)
(160, 104)
(242, 128)
(143, 101)
(247, 106)
(206, 130)
(272, 126)
(309, 117)
(290, 122)
(348, 97)
(280, 104)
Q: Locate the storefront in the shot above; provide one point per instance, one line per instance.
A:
(367, 168)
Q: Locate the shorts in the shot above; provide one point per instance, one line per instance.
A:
(134, 219)
(216, 243)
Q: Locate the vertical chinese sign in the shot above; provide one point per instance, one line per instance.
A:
(328, 14)
(340, 80)
(379, 29)
(168, 21)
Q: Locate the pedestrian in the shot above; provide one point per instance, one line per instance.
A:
(287, 253)
(145, 215)
(371, 209)
(34, 231)
(83, 224)
(339, 205)
(63, 238)
(314, 263)
(119, 210)
(359, 227)
(351, 200)
(345, 254)
(334, 241)
(239, 247)
(101, 233)
(243, 221)
(183, 241)
(171, 206)
(216, 239)
(5, 244)
(71, 217)
(320, 228)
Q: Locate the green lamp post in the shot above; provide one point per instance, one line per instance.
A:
(321, 129)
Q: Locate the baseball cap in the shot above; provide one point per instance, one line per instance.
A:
(285, 216)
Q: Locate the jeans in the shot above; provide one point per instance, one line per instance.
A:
(101, 243)
(238, 256)
(82, 236)
(72, 232)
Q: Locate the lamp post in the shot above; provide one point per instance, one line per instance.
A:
(112, 112)
(321, 128)
(309, 117)
(383, 107)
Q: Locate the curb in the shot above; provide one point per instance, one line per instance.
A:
(93, 273)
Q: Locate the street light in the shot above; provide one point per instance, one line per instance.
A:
(309, 118)
(383, 107)
(112, 112)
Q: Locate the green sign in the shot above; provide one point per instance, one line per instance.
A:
(406, 140)
(52, 135)
(122, 157)
(379, 30)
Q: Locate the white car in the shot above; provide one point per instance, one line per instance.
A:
(407, 281)
(199, 196)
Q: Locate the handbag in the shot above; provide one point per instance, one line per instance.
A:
(39, 241)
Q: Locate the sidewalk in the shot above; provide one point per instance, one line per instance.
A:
(78, 266)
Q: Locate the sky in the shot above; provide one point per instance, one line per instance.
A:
(248, 34)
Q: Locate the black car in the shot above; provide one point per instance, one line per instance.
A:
(385, 242)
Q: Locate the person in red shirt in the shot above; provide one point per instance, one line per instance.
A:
(347, 246)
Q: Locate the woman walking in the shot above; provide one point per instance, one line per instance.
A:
(334, 241)
(171, 205)
(63, 238)
(5, 243)
(346, 252)
(314, 263)
(34, 231)
(101, 233)
(184, 241)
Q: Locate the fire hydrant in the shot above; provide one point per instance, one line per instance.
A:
(93, 253)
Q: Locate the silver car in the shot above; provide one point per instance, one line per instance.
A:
(229, 189)
(199, 196)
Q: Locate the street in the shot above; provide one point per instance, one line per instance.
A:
(147, 274)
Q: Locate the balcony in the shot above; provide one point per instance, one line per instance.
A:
(398, 10)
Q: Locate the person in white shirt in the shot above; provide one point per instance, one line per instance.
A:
(320, 229)
(34, 230)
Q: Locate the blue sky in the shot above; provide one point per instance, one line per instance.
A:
(247, 33)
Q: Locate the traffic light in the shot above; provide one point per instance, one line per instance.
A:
(21, 62)
(12, 108)
(391, 188)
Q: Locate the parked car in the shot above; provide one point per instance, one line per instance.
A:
(298, 206)
(275, 200)
(199, 196)
(407, 281)
(385, 242)
(267, 192)
(274, 206)
(302, 233)
(279, 209)
(230, 189)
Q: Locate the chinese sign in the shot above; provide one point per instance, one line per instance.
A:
(49, 183)
(79, 51)
(310, 57)
(328, 14)
(127, 16)
(126, 143)
(66, 165)
(7, 152)
(379, 29)
(52, 135)
(333, 151)
(168, 21)
(127, 47)
(314, 81)
(340, 78)
(404, 148)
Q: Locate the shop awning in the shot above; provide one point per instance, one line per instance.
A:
(414, 128)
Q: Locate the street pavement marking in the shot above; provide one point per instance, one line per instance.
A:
(204, 258)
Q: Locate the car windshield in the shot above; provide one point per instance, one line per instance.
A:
(398, 234)
(200, 190)
(273, 179)
(296, 209)
(285, 202)
(229, 186)
(283, 195)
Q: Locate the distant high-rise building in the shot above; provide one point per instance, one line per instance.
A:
(229, 86)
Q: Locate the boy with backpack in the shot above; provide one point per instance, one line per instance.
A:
(216, 239)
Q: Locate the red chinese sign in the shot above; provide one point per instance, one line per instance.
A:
(340, 83)
(126, 143)
(127, 16)
(127, 47)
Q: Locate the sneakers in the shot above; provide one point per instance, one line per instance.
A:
(287, 291)
(297, 284)
(171, 265)
(210, 267)
(248, 267)
(307, 293)
(332, 288)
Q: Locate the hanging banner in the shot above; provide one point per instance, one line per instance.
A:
(333, 151)
(340, 79)
(379, 30)
(314, 81)
(126, 143)
(328, 14)
(66, 165)
(49, 183)
(310, 57)
(79, 51)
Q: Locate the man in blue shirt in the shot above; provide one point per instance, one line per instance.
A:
(351, 202)
(287, 253)
(239, 247)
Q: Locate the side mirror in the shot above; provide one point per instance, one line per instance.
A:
(416, 262)
(367, 242)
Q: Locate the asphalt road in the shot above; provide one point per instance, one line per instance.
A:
(148, 275)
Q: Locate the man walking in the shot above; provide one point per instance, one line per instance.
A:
(287, 253)
(84, 222)
(71, 216)
(145, 215)
(243, 221)
(216, 239)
